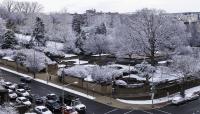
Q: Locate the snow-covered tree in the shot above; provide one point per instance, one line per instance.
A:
(77, 22)
(96, 44)
(157, 30)
(9, 40)
(11, 25)
(125, 43)
(101, 29)
(39, 32)
(188, 65)
(2, 29)
(9, 5)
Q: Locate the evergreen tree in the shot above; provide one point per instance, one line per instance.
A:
(77, 22)
(39, 33)
(101, 29)
(11, 25)
(9, 40)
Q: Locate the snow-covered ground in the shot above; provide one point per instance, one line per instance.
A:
(70, 55)
(56, 45)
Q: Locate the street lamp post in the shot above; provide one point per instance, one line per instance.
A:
(63, 93)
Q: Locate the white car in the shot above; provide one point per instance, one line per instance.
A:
(7, 84)
(191, 96)
(42, 110)
(12, 95)
(178, 100)
(13, 86)
(23, 100)
(22, 92)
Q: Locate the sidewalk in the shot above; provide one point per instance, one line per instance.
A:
(116, 103)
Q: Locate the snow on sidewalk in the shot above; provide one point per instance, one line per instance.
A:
(161, 100)
(49, 83)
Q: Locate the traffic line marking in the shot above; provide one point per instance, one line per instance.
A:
(163, 111)
(111, 111)
(129, 112)
(146, 112)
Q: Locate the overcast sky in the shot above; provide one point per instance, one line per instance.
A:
(121, 6)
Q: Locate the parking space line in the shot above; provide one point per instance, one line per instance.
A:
(146, 112)
(129, 112)
(162, 111)
(111, 111)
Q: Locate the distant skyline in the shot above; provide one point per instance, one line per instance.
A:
(121, 6)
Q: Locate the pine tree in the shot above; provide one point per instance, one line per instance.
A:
(77, 22)
(101, 29)
(9, 40)
(11, 25)
(39, 32)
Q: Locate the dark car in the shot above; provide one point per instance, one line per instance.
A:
(24, 86)
(26, 79)
(53, 97)
(53, 106)
(36, 99)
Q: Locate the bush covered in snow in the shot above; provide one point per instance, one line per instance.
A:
(99, 74)
(146, 70)
(33, 60)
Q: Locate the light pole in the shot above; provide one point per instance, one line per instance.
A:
(63, 94)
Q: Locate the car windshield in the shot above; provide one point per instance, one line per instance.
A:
(8, 84)
(11, 92)
(55, 104)
(22, 91)
(24, 100)
(53, 97)
(75, 103)
(44, 109)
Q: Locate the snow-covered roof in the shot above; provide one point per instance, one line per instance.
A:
(8, 58)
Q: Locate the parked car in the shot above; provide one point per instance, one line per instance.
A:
(12, 86)
(26, 79)
(177, 100)
(37, 99)
(23, 101)
(54, 106)
(42, 110)
(74, 102)
(22, 92)
(53, 97)
(69, 110)
(12, 95)
(7, 84)
(191, 96)
(24, 86)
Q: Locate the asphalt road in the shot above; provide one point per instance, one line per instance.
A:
(98, 108)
